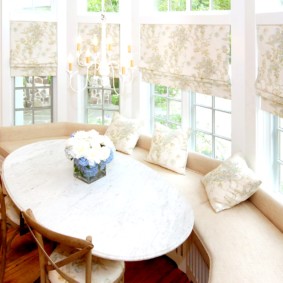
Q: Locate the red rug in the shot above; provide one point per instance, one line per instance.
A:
(157, 270)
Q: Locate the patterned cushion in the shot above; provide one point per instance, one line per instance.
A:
(230, 183)
(169, 148)
(124, 133)
(103, 270)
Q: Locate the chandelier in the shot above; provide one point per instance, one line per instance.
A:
(97, 64)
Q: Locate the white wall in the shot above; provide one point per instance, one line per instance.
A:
(244, 110)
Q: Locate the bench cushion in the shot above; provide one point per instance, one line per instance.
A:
(9, 146)
(242, 244)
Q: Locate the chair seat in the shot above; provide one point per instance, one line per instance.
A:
(103, 270)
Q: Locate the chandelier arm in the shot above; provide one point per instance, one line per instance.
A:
(113, 80)
(72, 74)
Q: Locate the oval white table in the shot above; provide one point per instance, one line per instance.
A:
(131, 213)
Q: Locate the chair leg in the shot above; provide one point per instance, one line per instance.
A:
(3, 249)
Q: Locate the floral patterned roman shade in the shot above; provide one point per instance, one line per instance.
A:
(33, 49)
(88, 32)
(269, 84)
(194, 57)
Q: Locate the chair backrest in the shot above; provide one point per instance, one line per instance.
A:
(82, 249)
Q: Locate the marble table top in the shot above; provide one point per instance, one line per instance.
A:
(131, 213)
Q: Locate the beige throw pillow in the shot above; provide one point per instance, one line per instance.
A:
(124, 133)
(230, 183)
(169, 148)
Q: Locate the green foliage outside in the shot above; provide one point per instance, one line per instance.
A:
(115, 99)
(171, 5)
(166, 91)
(197, 5)
(202, 5)
(96, 6)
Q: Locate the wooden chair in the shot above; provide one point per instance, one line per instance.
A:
(72, 259)
(10, 217)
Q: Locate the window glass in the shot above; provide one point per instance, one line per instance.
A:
(205, 5)
(211, 125)
(203, 99)
(171, 5)
(175, 110)
(222, 104)
(204, 119)
(281, 144)
(279, 157)
(222, 148)
(97, 5)
(268, 6)
(102, 101)
(33, 100)
(281, 179)
(167, 106)
(34, 5)
(203, 144)
(223, 124)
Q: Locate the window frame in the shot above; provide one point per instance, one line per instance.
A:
(33, 10)
(213, 134)
(100, 107)
(33, 108)
(188, 106)
(168, 99)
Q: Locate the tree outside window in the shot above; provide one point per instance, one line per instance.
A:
(109, 6)
(171, 5)
(196, 5)
(167, 106)
(202, 5)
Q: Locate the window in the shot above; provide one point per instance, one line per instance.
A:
(196, 5)
(171, 5)
(279, 154)
(97, 5)
(209, 116)
(34, 5)
(166, 106)
(33, 100)
(203, 5)
(102, 100)
(211, 124)
(263, 6)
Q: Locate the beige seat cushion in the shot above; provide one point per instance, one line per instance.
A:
(188, 184)
(242, 244)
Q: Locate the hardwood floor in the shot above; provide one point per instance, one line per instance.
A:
(22, 266)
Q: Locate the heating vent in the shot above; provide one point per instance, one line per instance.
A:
(197, 269)
(192, 259)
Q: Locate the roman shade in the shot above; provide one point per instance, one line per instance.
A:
(269, 83)
(88, 32)
(188, 57)
(33, 49)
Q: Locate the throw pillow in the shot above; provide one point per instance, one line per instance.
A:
(230, 183)
(169, 148)
(124, 133)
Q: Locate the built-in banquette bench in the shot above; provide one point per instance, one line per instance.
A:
(241, 244)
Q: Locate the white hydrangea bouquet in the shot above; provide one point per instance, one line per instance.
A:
(90, 152)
